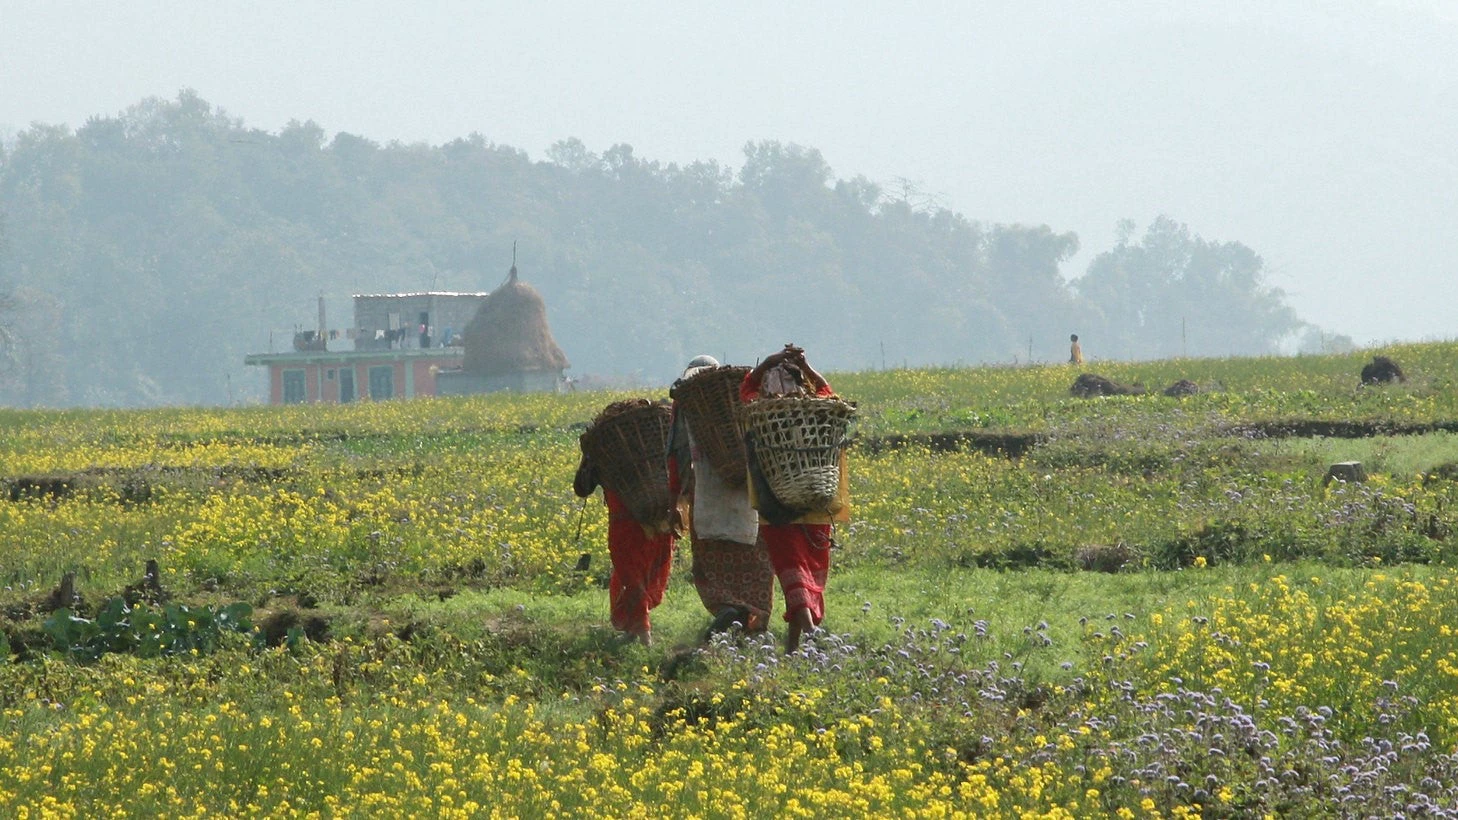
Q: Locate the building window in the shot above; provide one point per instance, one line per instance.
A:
(294, 389)
(382, 382)
(329, 374)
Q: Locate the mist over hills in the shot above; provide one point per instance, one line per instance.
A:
(146, 253)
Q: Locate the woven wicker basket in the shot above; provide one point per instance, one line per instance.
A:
(628, 451)
(709, 400)
(797, 445)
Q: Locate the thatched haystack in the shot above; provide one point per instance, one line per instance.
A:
(1182, 388)
(1382, 370)
(1092, 385)
(509, 334)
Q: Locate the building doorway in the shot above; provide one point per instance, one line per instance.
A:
(382, 382)
(295, 389)
(346, 385)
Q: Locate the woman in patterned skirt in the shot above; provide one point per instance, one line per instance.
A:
(731, 568)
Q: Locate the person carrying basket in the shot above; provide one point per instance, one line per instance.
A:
(631, 473)
(731, 569)
(798, 539)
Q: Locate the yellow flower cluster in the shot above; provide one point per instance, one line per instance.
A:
(1341, 640)
(206, 738)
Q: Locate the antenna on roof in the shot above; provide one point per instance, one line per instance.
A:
(513, 261)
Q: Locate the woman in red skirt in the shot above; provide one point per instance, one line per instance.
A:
(641, 554)
(798, 541)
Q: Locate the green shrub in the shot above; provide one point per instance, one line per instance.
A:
(173, 630)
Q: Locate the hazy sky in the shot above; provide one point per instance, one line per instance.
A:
(1323, 135)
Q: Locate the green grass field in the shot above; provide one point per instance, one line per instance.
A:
(1155, 607)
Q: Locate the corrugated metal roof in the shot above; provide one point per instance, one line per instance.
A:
(336, 356)
(481, 293)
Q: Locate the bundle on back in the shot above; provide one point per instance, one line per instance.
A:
(709, 400)
(617, 408)
(797, 442)
(627, 442)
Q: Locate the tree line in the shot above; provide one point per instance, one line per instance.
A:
(144, 254)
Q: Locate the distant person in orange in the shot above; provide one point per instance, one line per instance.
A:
(641, 554)
(1075, 352)
(798, 541)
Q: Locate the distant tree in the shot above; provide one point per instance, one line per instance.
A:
(786, 179)
(28, 373)
(574, 156)
(151, 250)
(7, 341)
(1175, 293)
(913, 194)
(861, 194)
(1313, 340)
(1027, 282)
(7, 303)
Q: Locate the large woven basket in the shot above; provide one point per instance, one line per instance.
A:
(628, 450)
(797, 445)
(709, 400)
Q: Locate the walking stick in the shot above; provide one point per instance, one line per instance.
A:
(584, 560)
(581, 515)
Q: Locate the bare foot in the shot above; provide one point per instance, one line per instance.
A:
(800, 623)
(633, 636)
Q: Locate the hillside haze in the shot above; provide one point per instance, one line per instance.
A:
(148, 252)
(1322, 134)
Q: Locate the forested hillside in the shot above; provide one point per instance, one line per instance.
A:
(144, 254)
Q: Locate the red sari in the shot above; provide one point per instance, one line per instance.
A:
(800, 556)
(641, 565)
